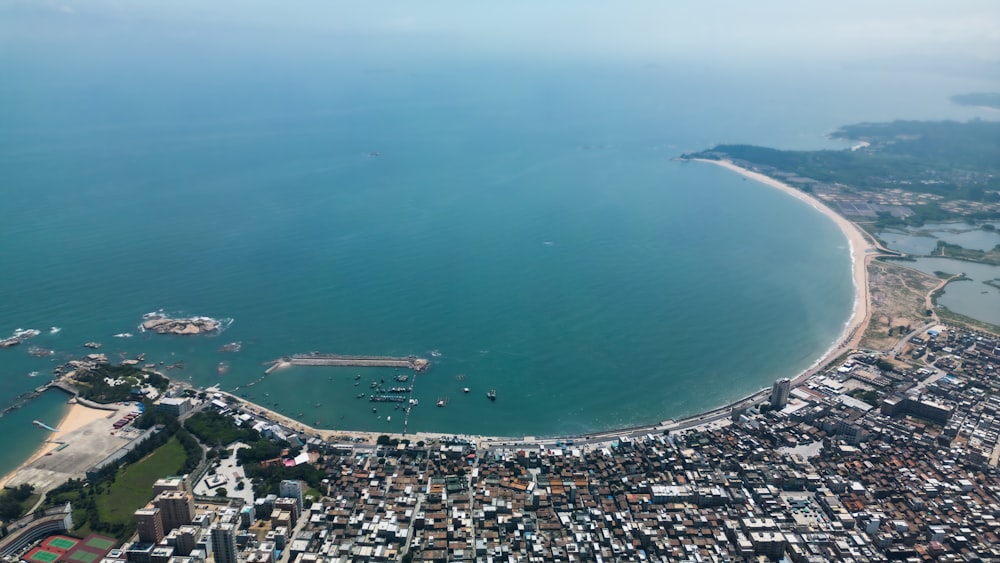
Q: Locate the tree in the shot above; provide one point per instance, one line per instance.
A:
(221, 492)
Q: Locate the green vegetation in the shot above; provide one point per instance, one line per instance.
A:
(266, 479)
(133, 486)
(984, 99)
(951, 317)
(15, 502)
(93, 384)
(215, 429)
(106, 504)
(261, 450)
(970, 254)
(948, 159)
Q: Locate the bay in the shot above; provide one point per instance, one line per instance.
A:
(525, 222)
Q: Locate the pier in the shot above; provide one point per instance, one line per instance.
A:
(25, 398)
(316, 359)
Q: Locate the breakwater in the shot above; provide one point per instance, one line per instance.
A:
(25, 398)
(316, 359)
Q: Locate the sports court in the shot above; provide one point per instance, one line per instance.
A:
(64, 549)
(41, 555)
(61, 542)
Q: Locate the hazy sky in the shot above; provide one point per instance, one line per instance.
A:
(692, 30)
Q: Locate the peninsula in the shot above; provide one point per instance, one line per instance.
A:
(898, 173)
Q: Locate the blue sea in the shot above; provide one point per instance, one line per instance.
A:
(523, 221)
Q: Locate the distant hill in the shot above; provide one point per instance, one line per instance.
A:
(986, 99)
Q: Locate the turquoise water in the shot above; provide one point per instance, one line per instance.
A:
(526, 222)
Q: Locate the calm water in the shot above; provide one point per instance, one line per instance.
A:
(923, 240)
(973, 297)
(525, 222)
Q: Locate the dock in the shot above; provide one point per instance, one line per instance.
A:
(316, 359)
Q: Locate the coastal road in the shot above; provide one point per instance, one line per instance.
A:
(898, 348)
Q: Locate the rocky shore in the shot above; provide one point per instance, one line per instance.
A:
(186, 326)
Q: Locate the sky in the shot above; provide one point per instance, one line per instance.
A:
(707, 30)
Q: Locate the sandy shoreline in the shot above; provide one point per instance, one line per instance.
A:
(76, 417)
(862, 252)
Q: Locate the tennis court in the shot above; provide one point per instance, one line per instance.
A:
(61, 542)
(40, 555)
(100, 543)
(82, 556)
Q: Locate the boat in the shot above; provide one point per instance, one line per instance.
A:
(54, 330)
(388, 418)
(465, 389)
(492, 395)
(440, 402)
(123, 335)
(222, 368)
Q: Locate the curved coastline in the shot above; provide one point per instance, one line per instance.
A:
(862, 250)
(76, 416)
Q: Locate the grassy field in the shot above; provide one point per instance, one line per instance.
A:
(133, 486)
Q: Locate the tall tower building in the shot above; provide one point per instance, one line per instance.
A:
(224, 543)
(779, 393)
(149, 524)
(291, 489)
(176, 508)
(170, 484)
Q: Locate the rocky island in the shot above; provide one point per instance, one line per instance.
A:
(191, 325)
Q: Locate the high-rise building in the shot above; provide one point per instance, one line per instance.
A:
(149, 525)
(779, 393)
(176, 508)
(224, 543)
(182, 539)
(286, 504)
(291, 489)
(178, 483)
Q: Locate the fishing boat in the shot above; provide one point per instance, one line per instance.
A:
(492, 395)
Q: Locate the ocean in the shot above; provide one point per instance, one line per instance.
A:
(522, 221)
